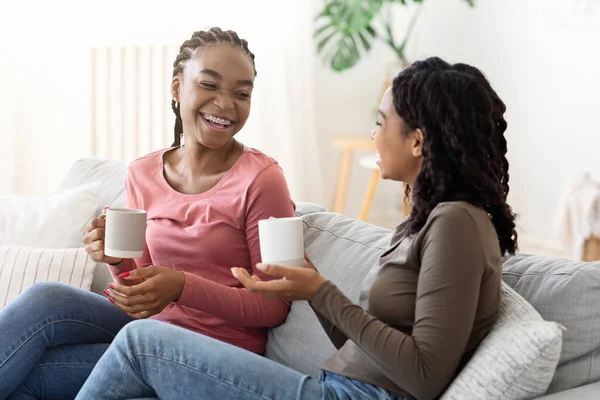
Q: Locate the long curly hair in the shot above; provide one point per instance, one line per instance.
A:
(464, 148)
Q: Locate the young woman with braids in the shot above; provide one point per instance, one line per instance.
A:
(204, 198)
(422, 313)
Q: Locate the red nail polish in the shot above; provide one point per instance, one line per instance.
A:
(111, 285)
(111, 300)
(106, 292)
(125, 275)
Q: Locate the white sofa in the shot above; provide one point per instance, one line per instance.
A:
(345, 249)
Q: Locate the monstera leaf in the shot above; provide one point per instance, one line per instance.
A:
(345, 31)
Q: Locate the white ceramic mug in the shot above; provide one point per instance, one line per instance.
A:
(125, 232)
(282, 241)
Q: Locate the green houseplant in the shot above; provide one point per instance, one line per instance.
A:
(346, 29)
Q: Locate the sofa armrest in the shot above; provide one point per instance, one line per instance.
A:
(587, 392)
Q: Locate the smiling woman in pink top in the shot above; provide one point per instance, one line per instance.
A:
(204, 197)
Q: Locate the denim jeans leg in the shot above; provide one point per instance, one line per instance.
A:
(154, 359)
(348, 388)
(51, 314)
(60, 373)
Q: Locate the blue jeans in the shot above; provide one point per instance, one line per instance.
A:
(148, 359)
(51, 336)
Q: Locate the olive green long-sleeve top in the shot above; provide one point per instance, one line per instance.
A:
(422, 314)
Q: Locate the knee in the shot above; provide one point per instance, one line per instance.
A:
(45, 290)
(142, 336)
(53, 294)
(138, 333)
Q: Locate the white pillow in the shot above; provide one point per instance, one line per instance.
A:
(21, 267)
(516, 360)
(51, 221)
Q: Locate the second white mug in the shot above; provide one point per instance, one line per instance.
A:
(282, 241)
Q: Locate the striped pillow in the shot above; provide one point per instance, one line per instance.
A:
(21, 267)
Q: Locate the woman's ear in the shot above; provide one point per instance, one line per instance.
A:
(417, 150)
(175, 84)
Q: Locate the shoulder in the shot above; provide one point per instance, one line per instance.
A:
(458, 215)
(263, 177)
(256, 161)
(460, 227)
(145, 165)
(260, 168)
(456, 224)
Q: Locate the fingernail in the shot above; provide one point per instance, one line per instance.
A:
(111, 285)
(106, 292)
(103, 215)
(233, 272)
(261, 266)
(125, 275)
(111, 300)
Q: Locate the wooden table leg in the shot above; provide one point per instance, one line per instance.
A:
(368, 200)
(591, 249)
(341, 187)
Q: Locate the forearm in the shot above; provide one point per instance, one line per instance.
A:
(236, 305)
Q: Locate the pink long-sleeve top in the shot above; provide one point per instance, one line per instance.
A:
(206, 234)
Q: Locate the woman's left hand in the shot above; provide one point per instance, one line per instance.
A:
(294, 283)
(161, 287)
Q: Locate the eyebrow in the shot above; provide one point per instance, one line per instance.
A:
(218, 76)
(381, 113)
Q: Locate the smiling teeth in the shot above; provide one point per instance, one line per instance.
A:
(217, 120)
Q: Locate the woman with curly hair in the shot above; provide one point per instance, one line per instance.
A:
(434, 298)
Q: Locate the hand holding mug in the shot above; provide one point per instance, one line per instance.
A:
(94, 241)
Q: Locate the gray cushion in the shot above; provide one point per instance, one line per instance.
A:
(517, 358)
(112, 193)
(344, 250)
(587, 392)
(307, 208)
(110, 172)
(567, 292)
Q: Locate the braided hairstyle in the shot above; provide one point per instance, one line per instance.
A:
(187, 51)
(464, 148)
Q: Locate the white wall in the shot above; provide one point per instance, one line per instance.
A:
(46, 57)
(543, 58)
(541, 55)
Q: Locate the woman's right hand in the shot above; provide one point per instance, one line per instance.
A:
(94, 241)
